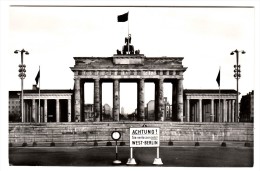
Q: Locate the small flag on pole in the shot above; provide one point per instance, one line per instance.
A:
(218, 78)
(37, 77)
(123, 17)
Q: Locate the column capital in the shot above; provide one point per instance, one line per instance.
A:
(161, 79)
(181, 79)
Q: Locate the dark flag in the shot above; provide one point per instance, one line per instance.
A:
(37, 77)
(123, 17)
(218, 78)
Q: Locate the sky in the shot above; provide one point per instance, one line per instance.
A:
(205, 37)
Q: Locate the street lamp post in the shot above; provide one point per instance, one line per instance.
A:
(22, 75)
(237, 75)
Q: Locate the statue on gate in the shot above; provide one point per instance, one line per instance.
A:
(128, 49)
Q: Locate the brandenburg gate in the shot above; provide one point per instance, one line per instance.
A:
(131, 67)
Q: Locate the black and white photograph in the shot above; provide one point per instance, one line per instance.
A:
(169, 84)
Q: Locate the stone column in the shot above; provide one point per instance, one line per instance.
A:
(82, 99)
(174, 100)
(45, 110)
(69, 110)
(28, 111)
(160, 100)
(188, 110)
(203, 112)
(180, 100)
(96, 100)
(57, 110)
(195, 112)
(33, 111)
(232, 111)
(38, 111)
(212, 111)
(29, 116)
(221, 112)
(116, 100)
(231, 108)
(200, 110)
(224, 111)
(77, 98)
(140, 103)
(229, 111)
(100, 97)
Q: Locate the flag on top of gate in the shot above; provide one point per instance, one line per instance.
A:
(218, 78)
(123, 17)
(37, 77)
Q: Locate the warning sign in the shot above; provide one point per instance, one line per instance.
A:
(144, 137)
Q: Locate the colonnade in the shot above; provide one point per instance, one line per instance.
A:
(210, 110)
(177, 95)
(39, 115)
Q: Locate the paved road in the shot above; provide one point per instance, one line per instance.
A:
(104, 156)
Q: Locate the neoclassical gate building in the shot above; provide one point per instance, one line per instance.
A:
(129, 68)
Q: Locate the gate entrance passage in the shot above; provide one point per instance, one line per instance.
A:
(129, 68)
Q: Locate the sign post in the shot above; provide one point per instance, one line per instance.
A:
(116, 135)
(145, 137)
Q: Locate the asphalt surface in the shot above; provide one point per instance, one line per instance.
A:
(172, 156)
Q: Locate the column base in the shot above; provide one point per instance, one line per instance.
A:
(157, 161)
(131, 161)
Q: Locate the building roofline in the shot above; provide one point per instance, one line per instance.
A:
(210, 91)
